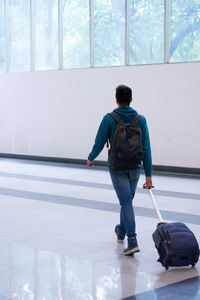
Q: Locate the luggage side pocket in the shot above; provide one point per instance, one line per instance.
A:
(157, 239)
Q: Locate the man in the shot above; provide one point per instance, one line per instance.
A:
(124, 181)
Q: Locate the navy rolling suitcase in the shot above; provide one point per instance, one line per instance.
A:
(175, 242)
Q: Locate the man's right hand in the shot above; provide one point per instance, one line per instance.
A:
(90, 163)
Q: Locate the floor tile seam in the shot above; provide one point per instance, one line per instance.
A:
(90, 196)
(144, 295)
(98, 205)
(144, 202)
(165, 193)
(81, 166)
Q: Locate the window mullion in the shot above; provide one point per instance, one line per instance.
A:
(91, 33)
(6, 35)
(127, 19)
(60, 35)
(32, 46)
(166, 31)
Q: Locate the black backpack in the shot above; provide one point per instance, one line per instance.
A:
(126, 151)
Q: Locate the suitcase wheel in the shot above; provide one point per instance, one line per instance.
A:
(167, 266)
(193, 265)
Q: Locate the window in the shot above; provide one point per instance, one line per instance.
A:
(146, 32)
(46, 34)
(109, 33)
(57, 34)
(19, 35)
(75, 33)
(2, 37)
(184, 31)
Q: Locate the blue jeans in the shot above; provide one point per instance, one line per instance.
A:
(125, 184)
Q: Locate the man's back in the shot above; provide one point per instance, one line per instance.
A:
(107, 128)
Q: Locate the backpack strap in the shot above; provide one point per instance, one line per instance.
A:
(136, 120)
(116, 117)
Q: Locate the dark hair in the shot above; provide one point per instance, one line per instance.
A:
(123, 94)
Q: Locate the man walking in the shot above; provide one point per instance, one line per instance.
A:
(125, 179)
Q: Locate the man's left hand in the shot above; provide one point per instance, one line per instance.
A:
(148, 184)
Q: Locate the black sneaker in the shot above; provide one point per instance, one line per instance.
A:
(132, 247)
(120, 234)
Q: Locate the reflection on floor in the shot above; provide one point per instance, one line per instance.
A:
(57, 236)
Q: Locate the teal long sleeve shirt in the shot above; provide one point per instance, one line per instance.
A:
(107, 128)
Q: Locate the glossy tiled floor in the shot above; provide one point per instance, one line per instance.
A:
(57, 240)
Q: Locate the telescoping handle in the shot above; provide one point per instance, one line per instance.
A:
(155, 206)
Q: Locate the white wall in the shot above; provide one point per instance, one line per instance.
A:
(57, 113)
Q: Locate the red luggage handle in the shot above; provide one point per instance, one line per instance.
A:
(155, 206)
